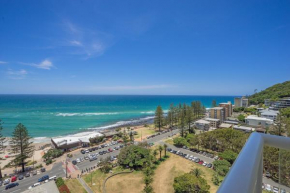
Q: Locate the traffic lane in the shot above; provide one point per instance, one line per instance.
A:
(26, 182)
(162, 136)
(202, 157)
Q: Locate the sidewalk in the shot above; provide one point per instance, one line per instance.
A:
(86, 187)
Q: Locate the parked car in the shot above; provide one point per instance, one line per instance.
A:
(7, 181)
(209, 165)
(20, 177)
(110, 150)
(83, 151)
(42, 169)
(282, 191)
(34, 172)
(74, 162)
(13, 178)
(43, 178)
(11, 185)
(275, 189)
(78, 160)
(87, 151)
(268, 187)
(268, 175)
(34, 185)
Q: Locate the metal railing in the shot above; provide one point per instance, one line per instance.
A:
(246, 174)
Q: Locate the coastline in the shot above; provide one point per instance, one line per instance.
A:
(102, 129)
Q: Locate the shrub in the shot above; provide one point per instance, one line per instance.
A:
(180, 141)
(59, 182)
(63, 189)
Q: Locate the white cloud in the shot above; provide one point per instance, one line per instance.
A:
(75, 43)
(2, 62)
(45, 64)
(87, 42)
(17, 74)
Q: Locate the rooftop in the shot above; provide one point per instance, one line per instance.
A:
(244, 128)
(202, 121)
(211, 119)
(225, 125)
(49, 187)
(81, 137)
(269, 112)
(218, 108)
(255, 117)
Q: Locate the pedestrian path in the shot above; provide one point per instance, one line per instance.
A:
(86, 187)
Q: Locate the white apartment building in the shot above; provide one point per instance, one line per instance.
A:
(254, 120)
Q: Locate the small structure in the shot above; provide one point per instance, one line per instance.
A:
(254, 120)
(269, 114)
(202, 125)
(215, 123)
(243, 128)
(73, 142)
(49, 187)
(225, 125)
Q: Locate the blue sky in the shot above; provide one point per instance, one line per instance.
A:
(189, 47)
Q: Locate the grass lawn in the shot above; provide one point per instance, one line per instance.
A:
(173, 167)
(98, 178)
(74, 186)
(126, 183)
(146, 131)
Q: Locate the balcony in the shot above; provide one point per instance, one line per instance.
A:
(246, 174)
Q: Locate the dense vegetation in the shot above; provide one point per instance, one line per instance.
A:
(190, 183)
(274, 93)
(181, 116)
(134, 156)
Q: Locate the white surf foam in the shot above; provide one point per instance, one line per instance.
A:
(84, 114)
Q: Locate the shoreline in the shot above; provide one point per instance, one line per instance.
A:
(102, 129)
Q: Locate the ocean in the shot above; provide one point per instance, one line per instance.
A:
(48, 116)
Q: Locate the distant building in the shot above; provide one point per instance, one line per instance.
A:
(268, 102)
(217, 113)
(282, 103)
(202, 124)
(228, 108)
(241, 102)
(254, 120)
(73, 142)
(243, 128)
(215, 123)
(225, 125)
(269, 114)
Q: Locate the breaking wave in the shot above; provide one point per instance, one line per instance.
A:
(84, 114)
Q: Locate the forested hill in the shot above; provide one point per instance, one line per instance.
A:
(274, 92)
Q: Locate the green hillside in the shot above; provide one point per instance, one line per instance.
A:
(274, 92)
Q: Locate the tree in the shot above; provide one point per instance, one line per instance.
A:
(160, 149)
(159, 117)
(165, 149)
(2, 146)
(213, 103)
(180, 141)
(189, 117)
(196, 172)
(215, 179)
(134, 156)
(221, 167)
(155, 153)
(21, 145)
(125, 137)
(188, 183)
(241, 118)
(229, 155)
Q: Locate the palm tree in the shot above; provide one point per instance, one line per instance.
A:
(197, 172)
(160, 148)
(155, 153)
(165, 148)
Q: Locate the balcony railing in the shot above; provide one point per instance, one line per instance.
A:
(246, 174)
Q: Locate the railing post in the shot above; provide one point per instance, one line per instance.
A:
(260, 176)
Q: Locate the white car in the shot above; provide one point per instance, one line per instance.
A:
(204, 164)
(34, 185)
(78, 160)
(275, 189)
(268, 187)
(87, 151)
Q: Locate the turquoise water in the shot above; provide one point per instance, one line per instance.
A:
(58, 115)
